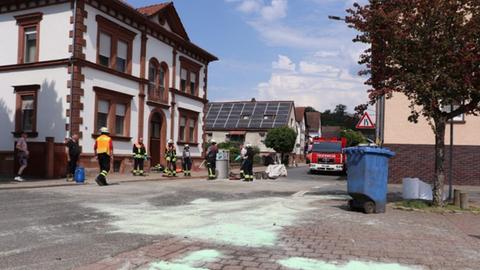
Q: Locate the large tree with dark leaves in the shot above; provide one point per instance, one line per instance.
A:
(428, 50)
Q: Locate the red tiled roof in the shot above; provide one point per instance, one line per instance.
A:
(152, 9)
(313, 120)
(299, 113)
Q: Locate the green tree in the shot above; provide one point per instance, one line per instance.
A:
(427, 50)
(281, 139)
(310, 109)
(353, 137)
(339, 117)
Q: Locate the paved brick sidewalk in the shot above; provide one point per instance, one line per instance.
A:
(331, 234)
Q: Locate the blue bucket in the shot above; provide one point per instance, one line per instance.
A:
(79, 175)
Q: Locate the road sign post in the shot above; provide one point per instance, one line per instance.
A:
(365, 122)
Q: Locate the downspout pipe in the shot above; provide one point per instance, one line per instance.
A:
(72, 65)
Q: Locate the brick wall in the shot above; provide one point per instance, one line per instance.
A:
(419, 161)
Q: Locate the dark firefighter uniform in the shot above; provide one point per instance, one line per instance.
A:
(248, 165)
(139, 156)
(171, 157)
(211, 160)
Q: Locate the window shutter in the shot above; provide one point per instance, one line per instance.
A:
(103, 106)
(105, 45)
(122, 50)
(121, 110)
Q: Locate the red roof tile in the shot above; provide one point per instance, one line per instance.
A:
(152, 9)
(313, 120)
(299, 113)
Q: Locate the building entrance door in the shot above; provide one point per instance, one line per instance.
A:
(157, 138)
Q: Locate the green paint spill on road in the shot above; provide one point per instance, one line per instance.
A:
(311, 264)
(190, 262)
(252, 222)
(206, 255)
(172, 266)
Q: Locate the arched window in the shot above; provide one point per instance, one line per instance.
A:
(157, 81)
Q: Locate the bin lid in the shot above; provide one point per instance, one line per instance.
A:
(371, 150)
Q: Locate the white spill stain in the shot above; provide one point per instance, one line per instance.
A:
(253, 222)
(191, 262)
(311, 264)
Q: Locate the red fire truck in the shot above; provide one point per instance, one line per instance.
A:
(326, 155)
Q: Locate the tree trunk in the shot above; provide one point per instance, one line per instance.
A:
(439, 180)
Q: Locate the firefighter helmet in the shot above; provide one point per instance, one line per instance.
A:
(104, 130)
(212, 141)
(170, 141)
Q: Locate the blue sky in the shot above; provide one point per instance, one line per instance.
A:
(276, 49)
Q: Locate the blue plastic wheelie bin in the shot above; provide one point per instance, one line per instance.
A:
(367, 177)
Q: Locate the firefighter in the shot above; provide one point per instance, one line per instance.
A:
(171, 157)
(139, 155)
(243, 157)
(186, 160)
(212, 159)
(248, 164)
(104, 151)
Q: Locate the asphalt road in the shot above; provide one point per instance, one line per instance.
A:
(54, 228)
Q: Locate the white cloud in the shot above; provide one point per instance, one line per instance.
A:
(284, 63)
(249, 6)
(315, 84)
(277, 10)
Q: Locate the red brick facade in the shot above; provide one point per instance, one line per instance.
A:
(418, 161)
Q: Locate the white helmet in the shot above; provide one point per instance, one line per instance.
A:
(213, 141)
(104, 130)
(170, 141)
(248, 145)
(187, 146)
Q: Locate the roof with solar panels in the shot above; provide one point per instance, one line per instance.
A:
(248, 115)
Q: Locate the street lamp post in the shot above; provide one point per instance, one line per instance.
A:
(380, 104)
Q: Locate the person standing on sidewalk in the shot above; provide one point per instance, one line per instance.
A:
(249, 163)
(243, 157)
(212, 159)
(186, 160)
(171, 157)
(139, 155)
(104, 151)
(73, 154)
(22, 155)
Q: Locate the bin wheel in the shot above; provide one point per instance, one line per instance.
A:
(350, 205)
(369, 207)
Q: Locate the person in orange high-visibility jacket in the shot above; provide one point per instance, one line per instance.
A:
(104, 151)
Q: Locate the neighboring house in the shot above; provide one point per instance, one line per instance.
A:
(300, 128)
(73, 66)
(313, 124)
(248, 121)
(414, 145)
(331, 131)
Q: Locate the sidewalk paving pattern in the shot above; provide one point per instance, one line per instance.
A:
(297, 232)
(282, 224)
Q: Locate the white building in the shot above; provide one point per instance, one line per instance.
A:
(73, 66)
(249, 121)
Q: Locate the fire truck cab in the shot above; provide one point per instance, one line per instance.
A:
(326, 155)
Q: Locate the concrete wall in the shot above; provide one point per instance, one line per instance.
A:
(54, 34)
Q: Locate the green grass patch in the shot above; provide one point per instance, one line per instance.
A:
(424, 205)
(415, 204)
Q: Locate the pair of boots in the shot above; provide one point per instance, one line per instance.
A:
(187, 173)
(138, 173)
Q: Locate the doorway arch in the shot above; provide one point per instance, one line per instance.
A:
(157, 137)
